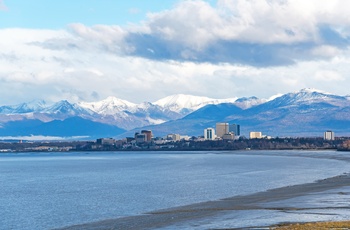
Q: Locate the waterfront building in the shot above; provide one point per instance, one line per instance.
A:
(234, 128)
(328, 135)
(255, 135)
(209, 134)
(222, 129)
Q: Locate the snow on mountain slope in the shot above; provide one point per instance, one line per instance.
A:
(109, 106)
(33, 106)
(184, 104)
(246, 103)
(309, 96)
(127, 115)
(304, 101)
(66, 108)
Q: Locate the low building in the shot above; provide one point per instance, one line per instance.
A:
(173, 137)
(129, 139)
(255, 135)
(228, 136)
(140, 138)
(185, 138)
(105, 141)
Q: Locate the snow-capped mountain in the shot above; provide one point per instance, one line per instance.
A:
(307, 109)
(128, 115)
(246, 103)
(66, 108)
(184, 104)
(302, 113)
(307, 96)
(33, 106)
(109, 106)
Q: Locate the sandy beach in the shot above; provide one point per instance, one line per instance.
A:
(323, 200)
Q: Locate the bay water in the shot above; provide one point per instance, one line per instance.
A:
(52, 190)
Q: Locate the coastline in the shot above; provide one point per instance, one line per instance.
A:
(220, 214)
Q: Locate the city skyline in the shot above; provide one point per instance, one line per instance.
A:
(89, 50)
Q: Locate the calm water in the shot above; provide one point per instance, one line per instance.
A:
(43, 191)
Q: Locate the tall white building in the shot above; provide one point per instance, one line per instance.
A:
(209, 134)
(328, 135)
(222, 129)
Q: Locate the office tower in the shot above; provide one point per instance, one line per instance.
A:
(221, 129)
(148, 134)
(236, 129)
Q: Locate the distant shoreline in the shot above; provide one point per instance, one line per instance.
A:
(110, 144)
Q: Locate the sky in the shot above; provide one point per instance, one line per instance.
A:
(87, 50)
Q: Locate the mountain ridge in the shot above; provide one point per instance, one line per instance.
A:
(186, 113)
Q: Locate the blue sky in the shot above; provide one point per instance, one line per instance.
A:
(87, 50)
(58, 14)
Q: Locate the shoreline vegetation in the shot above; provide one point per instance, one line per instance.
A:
(340, 144)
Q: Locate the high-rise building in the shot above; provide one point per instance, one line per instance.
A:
(148, 134)
(236, 129)
(328, 135)
(222, 129)
(209, 134)
(256, 135)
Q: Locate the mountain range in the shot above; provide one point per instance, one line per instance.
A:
(304, 113)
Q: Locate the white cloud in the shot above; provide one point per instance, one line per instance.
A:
(261, 21)
(192, 23)
(326, 51)
(328, 75)
(238, 48)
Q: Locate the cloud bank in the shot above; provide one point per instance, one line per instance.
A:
(232, 48)
(257, 33)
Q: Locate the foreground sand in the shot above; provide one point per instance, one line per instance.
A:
(275, 199)
(319, 225)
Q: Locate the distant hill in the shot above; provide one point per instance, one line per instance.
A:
(74, 126)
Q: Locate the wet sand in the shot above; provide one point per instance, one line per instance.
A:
(195, 213)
